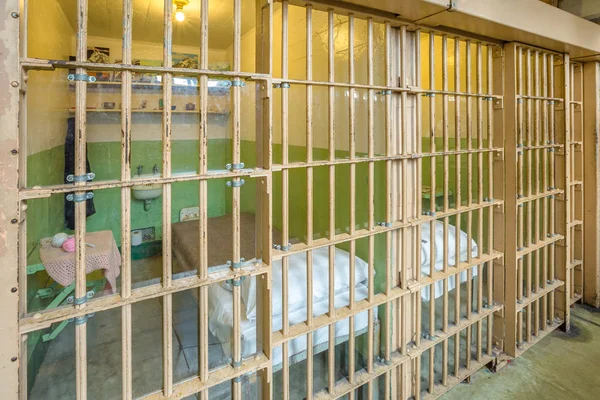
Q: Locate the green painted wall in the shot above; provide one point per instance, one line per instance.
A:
(46, 215)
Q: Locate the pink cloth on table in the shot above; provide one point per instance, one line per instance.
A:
(60, 265)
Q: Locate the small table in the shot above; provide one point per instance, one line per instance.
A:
(102, 253)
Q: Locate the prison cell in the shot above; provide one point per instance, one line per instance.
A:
(336, 213)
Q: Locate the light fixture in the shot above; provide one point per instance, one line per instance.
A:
(179, 4)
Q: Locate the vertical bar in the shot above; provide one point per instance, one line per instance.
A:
(419, 141)
(203, 368)
(512, 62)
(390, 279)
(521, 189)
(236, 196)
(479, 195)
(591, 177)
(446, 206)
(12, 343)
(264, 64)
(352, 218)
(490, 232)
(545, 200)
(432, 204)
(371, 205)
(458, 198)
(126, 318)
(331, 64)
(309, 202)
(80, 207)
(166, 139)
(284, 187)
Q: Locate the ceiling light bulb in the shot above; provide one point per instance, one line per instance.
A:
(179, 15)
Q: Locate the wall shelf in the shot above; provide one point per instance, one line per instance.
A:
(192, 88)
(102, 111)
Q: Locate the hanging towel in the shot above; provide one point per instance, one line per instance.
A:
(70, 170)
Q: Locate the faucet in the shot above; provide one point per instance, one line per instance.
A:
(155, 170)
(140, 169)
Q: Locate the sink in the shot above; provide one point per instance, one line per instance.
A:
(147, 192)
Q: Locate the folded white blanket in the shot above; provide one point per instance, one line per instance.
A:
(297, 280)
(220, 317)
(439, 244)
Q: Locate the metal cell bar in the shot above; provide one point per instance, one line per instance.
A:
(203, 368)
(390, 343)
(551, 122)
(331, 147)
(166, 211)
(352, 216)
(80, 207)
(479, 80)
(520, 189)
(544, 172)
(432, 205)
(126, 317)
(284, 188)
(490, 231)
(236, 196)
(371, 151)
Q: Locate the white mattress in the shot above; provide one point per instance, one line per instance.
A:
(220, 320)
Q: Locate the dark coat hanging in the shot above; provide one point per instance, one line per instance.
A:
(70, 170)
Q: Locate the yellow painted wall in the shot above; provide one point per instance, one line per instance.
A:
(48, 96)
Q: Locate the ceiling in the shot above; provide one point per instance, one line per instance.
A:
(105, 20)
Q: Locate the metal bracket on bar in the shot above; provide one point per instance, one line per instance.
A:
(550, 150)
(236, 281)
(77, 198)
(550, 281)
(237, 83)
(81, 178)
(520, 248)
(282, 248)
(236, 364)
(488, 98)
(282, 85)
(82, 319)
(235, 167)
(429, 213)
(81, 78)
(551, 102)
(235, 184)
(428, 94)
(519, 101)
(520, 196)
(385, 224)
(236, 265)
(488, 200)
(72, 300)
(384, 92)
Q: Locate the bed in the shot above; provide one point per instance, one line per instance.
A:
(185, 236)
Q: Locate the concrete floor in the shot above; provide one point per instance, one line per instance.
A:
(561, 366)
